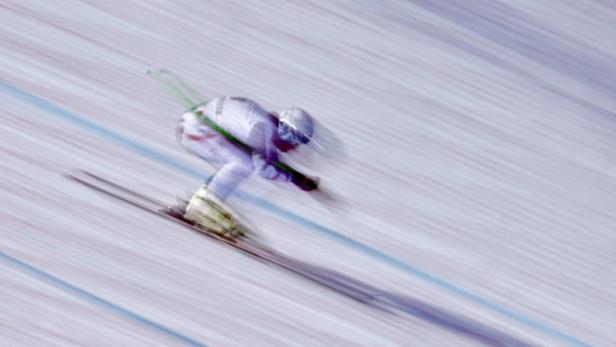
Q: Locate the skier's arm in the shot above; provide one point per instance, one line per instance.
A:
(268, 170)
(278, 171)
(263, 154)
(268, 165)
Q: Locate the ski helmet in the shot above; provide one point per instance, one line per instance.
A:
(296, 126)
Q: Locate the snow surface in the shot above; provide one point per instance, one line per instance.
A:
(480, 148)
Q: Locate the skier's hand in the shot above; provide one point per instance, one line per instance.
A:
(304, 182)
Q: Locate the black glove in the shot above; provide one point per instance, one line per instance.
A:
(304, 182)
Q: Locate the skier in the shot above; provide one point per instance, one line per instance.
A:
(239, 137)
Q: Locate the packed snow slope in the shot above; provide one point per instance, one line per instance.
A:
(476, 190)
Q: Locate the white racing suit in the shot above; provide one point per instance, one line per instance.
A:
(247, 122)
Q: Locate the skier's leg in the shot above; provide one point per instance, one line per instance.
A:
(228, 177)
(207, 207)
(191, 138)
(187, 134)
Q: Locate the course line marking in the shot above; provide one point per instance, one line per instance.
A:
(87, 296)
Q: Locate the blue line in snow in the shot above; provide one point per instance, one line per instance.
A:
(67, 287)
(373, 252)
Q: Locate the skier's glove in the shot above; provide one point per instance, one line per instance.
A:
(304, 182)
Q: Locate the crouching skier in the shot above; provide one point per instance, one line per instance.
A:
(239, 137)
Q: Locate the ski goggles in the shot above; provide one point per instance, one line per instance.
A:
(291, 136)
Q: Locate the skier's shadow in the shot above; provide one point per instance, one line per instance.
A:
(393, 303)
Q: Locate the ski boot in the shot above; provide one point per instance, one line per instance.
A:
(208, 211)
